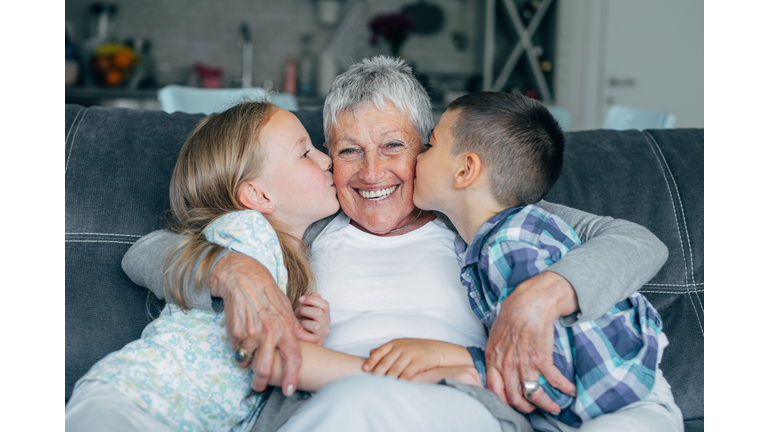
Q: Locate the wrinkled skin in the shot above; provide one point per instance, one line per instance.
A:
(372, 151)
(521, 341)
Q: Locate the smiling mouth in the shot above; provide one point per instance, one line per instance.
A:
(376, 195)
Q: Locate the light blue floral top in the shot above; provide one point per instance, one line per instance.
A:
(182, 370)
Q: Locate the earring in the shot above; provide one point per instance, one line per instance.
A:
(270, 206)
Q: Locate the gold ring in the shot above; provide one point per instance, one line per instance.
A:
(242, 355)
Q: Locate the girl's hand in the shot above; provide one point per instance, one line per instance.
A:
(314, 316)
(405, 358)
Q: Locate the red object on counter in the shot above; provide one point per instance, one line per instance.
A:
(210, 76)
(289, 76)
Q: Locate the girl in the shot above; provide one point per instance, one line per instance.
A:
(248, 179)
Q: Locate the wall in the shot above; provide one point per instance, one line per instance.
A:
(656, 43)
(187, 31)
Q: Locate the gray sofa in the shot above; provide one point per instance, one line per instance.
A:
(118, 165)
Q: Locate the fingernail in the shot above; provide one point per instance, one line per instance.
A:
(289, 391)
(302, 298)
(573, 394)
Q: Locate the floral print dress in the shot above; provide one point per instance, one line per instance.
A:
(182, 371)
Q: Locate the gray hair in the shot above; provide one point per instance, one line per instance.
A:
(378, 80)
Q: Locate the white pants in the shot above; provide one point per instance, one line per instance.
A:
(96, 406)
(373, 403)
(376, 403)
(657, 412)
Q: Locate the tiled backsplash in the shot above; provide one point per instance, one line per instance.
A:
(184, 32)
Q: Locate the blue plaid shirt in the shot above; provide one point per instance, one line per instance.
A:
(611, 360)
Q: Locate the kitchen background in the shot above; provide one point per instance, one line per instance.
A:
(584, 55)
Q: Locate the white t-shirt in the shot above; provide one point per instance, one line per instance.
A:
(383, 288)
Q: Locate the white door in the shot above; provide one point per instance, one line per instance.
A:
(641, 53)
(654, 57)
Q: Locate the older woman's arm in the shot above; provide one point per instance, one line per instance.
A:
(258, 313)
(616, 259)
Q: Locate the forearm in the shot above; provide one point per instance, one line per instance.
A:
(319, 366)
(616, 259)
(144, 263)
(454, 355)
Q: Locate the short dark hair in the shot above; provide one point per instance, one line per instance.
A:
(518, 140)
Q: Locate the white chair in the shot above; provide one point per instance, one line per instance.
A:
(622, 118)
(562, 115)
(195, 100)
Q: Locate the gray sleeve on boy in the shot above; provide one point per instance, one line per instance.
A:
(616, 259)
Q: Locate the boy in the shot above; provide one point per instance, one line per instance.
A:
(491, 157)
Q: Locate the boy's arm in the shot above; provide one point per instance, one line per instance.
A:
(319, 366)
(616, 259)
(405, 358)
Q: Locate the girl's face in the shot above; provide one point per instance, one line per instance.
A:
(296, 176)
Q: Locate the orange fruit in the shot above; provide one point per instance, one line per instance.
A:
(122, 58)
(113, 77)
(101, 63)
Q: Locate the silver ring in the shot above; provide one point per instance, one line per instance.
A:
(530, 388)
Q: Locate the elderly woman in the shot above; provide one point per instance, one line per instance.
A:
(388, 270)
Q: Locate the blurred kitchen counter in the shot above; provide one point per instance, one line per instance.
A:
(119, 97)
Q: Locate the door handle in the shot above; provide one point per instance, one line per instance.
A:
(622, 82)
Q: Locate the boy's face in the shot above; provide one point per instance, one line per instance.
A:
(436, 167)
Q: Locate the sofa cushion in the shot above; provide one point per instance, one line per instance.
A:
(118, 165)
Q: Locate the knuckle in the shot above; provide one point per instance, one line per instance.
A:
(263, 370)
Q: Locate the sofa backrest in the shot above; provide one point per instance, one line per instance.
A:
(118, 164)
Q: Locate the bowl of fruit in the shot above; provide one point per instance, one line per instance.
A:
(113, 63)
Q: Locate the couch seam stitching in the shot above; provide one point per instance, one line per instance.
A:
(686, 284)
(66, 166)
(682, 212)
(677, 226)
(105, 234)
(668, 292)
(98, 241)
(73, 122)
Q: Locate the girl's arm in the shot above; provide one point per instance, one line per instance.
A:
(319, 366)
(402, 358)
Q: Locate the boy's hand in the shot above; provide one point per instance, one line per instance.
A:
(314, 316)
(405, 358)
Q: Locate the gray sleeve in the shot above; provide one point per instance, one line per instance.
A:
(145, 260)
(616, 259)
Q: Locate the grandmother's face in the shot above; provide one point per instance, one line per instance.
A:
(374, 163)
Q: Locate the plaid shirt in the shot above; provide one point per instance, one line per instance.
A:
(611, 360)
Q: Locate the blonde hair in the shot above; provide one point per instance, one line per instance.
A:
(221, 153)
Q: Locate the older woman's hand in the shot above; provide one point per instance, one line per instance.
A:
(259, 316)
(521, 341)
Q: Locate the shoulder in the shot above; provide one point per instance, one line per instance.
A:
(532, 228)
(244, 219)
(249, 233)
(247, 227)
(533, 225)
